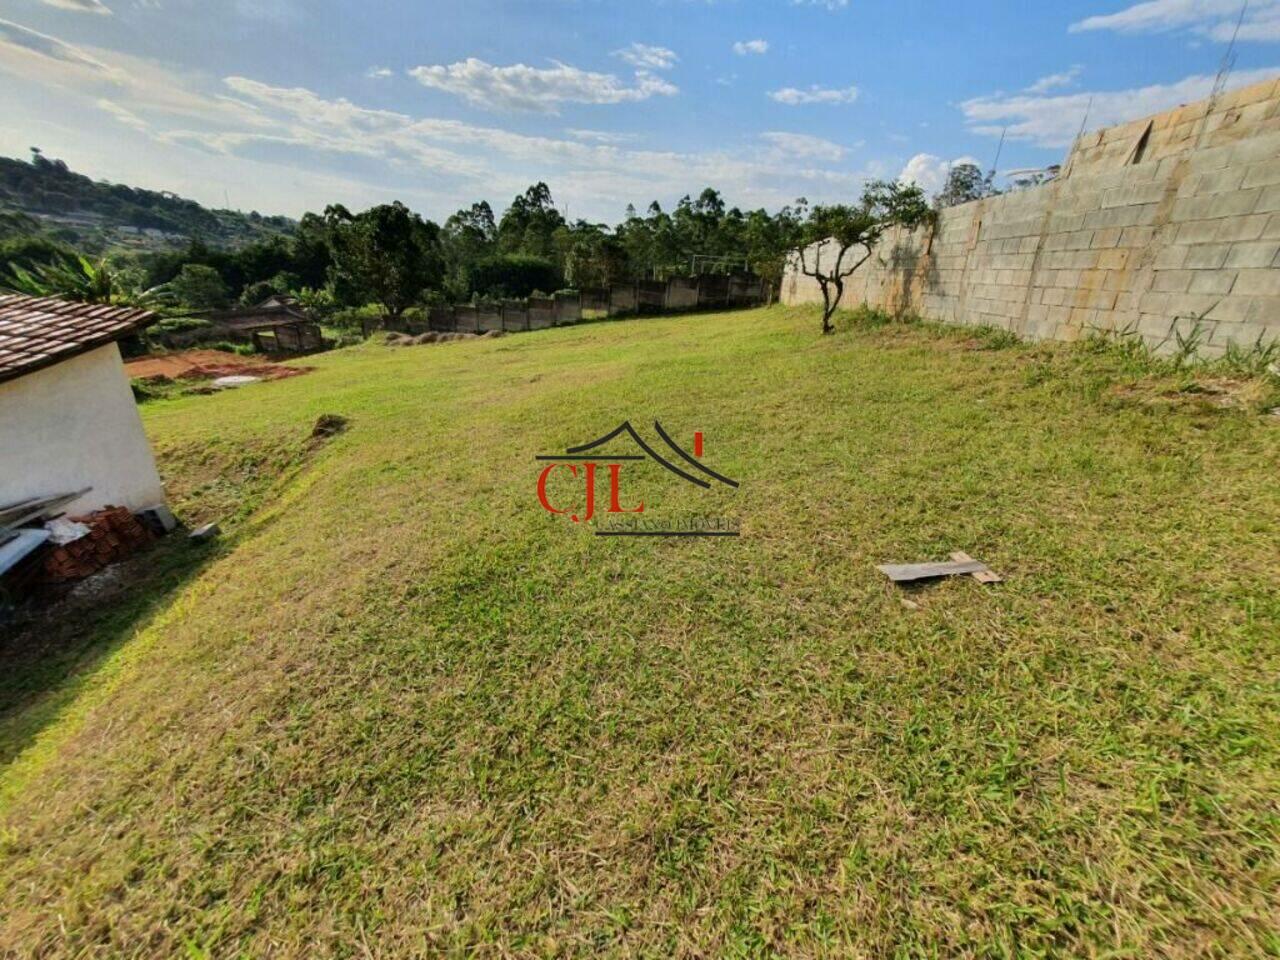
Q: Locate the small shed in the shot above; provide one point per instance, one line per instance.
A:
(68, 419)
(278, 324)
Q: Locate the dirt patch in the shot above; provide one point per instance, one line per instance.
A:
(207, 365)
(328, 425)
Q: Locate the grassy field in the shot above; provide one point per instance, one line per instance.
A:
(399, 710)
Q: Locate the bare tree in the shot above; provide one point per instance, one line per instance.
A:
(831, 232)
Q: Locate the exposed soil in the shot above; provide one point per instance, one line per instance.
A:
(207, 365)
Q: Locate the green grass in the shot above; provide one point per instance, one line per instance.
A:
(400, 711)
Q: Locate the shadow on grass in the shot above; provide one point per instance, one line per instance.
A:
(53, 653)
(51, 657)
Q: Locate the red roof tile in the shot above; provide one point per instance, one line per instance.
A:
(36, 332)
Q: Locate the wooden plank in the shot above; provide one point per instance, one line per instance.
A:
(985, 575)
(902, 573)
(19, 513)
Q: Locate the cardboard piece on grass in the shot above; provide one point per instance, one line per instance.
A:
(961, 564)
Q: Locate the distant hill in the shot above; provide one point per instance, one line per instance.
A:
(95, 215)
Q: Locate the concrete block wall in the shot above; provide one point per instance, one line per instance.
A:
(1159, 227)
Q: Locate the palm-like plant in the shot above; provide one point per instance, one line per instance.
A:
(77, 278)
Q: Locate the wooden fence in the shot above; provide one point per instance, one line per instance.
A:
(677, 295)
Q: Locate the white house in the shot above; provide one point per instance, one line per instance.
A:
(68, 419)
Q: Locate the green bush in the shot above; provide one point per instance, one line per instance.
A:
(513, 275)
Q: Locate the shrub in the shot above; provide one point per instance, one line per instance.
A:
(513, 275)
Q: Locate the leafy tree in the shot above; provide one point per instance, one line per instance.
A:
(282, 283)
(469, 236)
(830, 233)
(965, 182)
(589, 256)
(769, 240)
(198, 286)
(529, 226)
(319, 300)
(388, 255)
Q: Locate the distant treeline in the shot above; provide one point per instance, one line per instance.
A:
(389, 256)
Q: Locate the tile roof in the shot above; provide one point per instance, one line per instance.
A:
(38, 332)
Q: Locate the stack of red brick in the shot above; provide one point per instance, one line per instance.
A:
(114, 534)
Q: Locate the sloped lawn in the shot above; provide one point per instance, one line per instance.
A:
(401, 710)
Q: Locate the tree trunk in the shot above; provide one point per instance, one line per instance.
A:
(829, 305)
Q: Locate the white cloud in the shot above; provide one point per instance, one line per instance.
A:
(1211, 18)
(1056, 81)
(929, 172)
(287, 149)
(520, 87)
(270, 11)
(18, 40)
(1054, 121)
(379, 73)
(804, 145)
(793, 96)
(81, 6)
(646, 57)
(829, 4)
(600, 136)
(123, 115)
(745, 48)
(602, 173)
(131, 82)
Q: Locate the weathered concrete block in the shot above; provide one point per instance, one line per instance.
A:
(1172, 281)
(1236, 308)
(1136, 236)
(1269, 202)
(1207, 256)
(1258, 282)
(1171, 258)
(1117, 259)
(1220, 181)
(1199, 231)
(1108, 237)
(1256, 254)
(1242, 228)
(1263, 174)
(1212, 281)
(1254, 150)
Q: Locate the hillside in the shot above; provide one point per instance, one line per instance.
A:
(94, 215)
(400, 710)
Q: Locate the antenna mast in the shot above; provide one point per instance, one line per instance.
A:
(1228, 58)
(999, 150)
(1084, 122)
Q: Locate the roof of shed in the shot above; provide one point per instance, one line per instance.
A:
(38, 332)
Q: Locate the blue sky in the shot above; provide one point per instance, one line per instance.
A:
(287, 105)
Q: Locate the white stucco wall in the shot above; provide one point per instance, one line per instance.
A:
(76, 425)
